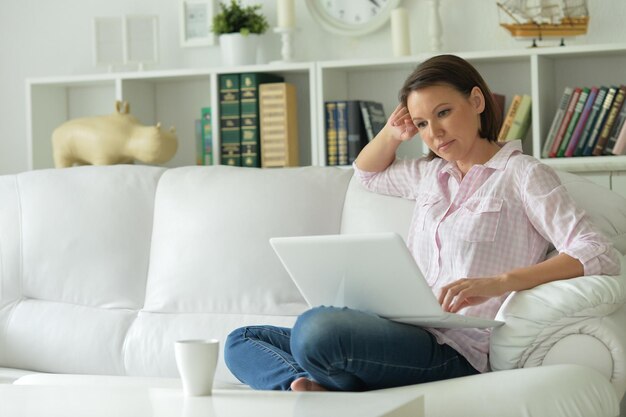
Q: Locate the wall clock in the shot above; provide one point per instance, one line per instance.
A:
(351, 17)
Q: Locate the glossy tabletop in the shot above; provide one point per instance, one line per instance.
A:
(120, 401)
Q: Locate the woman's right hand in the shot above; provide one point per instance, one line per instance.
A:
(399, 125)
(380, 152)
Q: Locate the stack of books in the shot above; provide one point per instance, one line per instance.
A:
(349, 126)
(241, 123)
(589, 121)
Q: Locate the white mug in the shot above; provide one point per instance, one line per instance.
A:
(196, 361)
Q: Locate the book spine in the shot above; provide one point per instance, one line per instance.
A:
(615, 131)
(199, 143)
(610, 120)
(510, 116)
(249, 95)
(377, 116)
(357, 137)
(342, 133)
(595, 109)
(230, 151)
(278, 125)
(597, 127)
(556, 122)
(521, 121)
(332, 151)
(566, 118)
(499, 100)
(367, 123)
(620, 144)
(571, 126)
(207, 137)
(582, 121)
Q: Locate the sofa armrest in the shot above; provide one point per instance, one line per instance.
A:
(539, 318)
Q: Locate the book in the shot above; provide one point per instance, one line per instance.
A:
(565, 122)
(357, 138)
(230, 134)
(330, 126)
(508, 120)
(521, 121)
(499, 100)
(610, 120)
(342, 132)
(599, 122)
(374, 118)
(207, 137)
(593, 115)
(199, 144)
(620, 143)
(278, 115)
(556, 121)
(615, 131)
(571, 126)
(249, 115)
(582, 121)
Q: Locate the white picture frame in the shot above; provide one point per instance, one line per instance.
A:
(141, 39)
(108, 41)
(196, 19)
(123, 40)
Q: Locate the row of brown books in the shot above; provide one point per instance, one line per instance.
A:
(349, 126)
(589, 121)
(258, 121)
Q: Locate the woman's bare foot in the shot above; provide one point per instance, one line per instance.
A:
(305, 384)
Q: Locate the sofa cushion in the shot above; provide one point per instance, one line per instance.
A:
(367, 212)
(61, 337)
(210, 246)
(87, 222)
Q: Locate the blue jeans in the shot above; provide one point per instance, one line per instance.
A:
(343, 350)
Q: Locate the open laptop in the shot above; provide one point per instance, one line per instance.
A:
(369, 272)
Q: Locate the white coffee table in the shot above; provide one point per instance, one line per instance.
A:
(133, 401)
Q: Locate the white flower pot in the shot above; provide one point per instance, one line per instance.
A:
(238, 49)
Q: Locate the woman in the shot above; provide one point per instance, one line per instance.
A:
(484, 219)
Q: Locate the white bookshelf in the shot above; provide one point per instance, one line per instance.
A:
(176, 97)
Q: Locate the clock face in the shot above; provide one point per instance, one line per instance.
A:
(351, 17)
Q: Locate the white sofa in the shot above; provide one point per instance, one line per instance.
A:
(103, 268)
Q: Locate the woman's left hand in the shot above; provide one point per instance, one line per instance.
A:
(468, 292)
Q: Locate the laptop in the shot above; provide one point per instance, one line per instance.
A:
(369, 272)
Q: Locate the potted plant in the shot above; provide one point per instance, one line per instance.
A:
(238, 29)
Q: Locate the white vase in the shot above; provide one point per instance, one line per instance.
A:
(238, 49)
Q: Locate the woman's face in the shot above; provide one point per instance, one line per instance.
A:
(447, 121)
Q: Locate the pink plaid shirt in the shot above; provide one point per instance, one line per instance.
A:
(502, 215)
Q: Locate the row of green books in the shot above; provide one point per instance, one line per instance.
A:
(589, 121)
(204, 138)
(239, 117)
(349, 126)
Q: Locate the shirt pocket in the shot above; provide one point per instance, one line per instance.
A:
(478, 219)
(424, 210)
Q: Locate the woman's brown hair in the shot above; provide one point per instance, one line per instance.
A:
(463, 77)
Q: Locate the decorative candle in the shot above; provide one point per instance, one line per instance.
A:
(286, 14)
(400, 32)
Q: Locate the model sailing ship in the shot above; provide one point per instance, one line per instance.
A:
(538, 19)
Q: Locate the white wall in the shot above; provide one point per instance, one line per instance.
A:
(41, 38)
